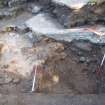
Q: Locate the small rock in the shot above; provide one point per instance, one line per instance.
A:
(79, 53)
(1, 15)
(32, 37)
(22, 28)
(7, 14)
(103, 50)
(5, 79)
(88, 61)
(93, 70)
(36, 9)
(44, 22)
(8, 79)
(45, 2)
(85, 46)
(71, 3)
(16, 80)
(82, 59)
(13, 3)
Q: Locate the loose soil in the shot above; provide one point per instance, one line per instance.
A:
(66, 68)
(88, 15)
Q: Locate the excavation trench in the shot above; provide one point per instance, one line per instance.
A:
(65, 68)
(67, 60)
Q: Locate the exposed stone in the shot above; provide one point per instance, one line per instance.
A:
(16, 80)
(79, 53)
(5, 79)
(10, 12)
(4, 14)
(85, 46)
(8, 79)
(44, 23)
(45, 2)
(103, 50)
(22, 28)
(33, 37)
(71, 3)
(82, 59)
(13, 3)
(51, 30)
(36, 9)
(61, 13)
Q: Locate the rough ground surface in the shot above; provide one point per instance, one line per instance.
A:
(95, 15)
(67, 70)
(88, 14)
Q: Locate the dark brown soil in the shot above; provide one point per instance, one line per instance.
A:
(89, 14)
(76, 71)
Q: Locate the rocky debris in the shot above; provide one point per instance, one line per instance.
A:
(22, 28)
(16, 81)
(51, 28)
(47, 77)
(72, 3)
(63, 10)
(62, 14)
(17, 21)
(98, 2)
(44, 23)
(5, 79)
(21, 57)
(80, 18)
(103, 50)
(82, 59)
(5, 14)
(74, 13)
(10, 12)
(36, 9)
(33, 37)
(11, 3)
(86, 60)
(44, 3)
(83, 45)
(12, 54)
(22, 53)
(67, 34)
(59, 67)
(53, 51)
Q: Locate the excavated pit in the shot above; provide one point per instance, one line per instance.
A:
(65, 68)
(65, 65)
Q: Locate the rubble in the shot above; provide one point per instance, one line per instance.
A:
(83, 45)
(67, 34)
(72, 4)
(43, 22)
(5, 79)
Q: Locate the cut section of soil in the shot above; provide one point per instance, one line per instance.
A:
(66, 68)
